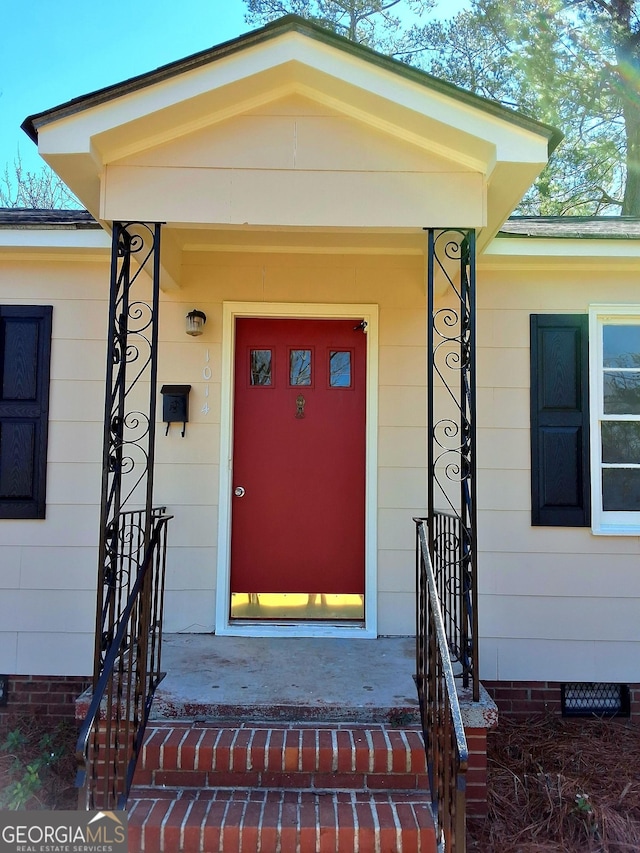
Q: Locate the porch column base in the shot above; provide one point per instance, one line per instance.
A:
(478, 718)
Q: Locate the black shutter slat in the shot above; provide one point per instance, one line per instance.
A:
(25, 352)
(20, 376)
(17, 448)
(560, 488)
(20, 409)
(560, 458)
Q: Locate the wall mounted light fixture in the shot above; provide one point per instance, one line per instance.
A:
(195, 322)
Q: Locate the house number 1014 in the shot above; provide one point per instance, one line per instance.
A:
(206, 375)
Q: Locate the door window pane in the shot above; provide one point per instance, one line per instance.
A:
(339, 369)
(300, 367)
(261, 367)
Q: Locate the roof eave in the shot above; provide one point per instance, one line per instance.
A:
(289, 23)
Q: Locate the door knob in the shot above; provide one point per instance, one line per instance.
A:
(239, 491)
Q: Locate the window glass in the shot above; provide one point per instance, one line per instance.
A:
(620, 441)
(621, 369)
(621, 489)
(261, 367)
(300, 367)
(615, 420)
(621, 346)
(621, 392)
(339, 369)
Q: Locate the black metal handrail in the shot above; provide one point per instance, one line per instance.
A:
(450, 552)
(442, 726)
(111, 735)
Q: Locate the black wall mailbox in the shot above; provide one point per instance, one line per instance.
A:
(175, 405)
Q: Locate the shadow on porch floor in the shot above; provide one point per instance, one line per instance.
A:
(280, 678)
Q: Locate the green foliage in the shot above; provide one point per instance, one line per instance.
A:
(375, 23)
(558, 61)
(14, 740)
(584, 810)
(564, 59)
(33, 760)
(574, 64)
(20, 792)
(582, 804)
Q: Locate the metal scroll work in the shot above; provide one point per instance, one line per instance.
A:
(129, 420)
(452, 440)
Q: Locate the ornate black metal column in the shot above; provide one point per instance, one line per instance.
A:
(129, 421)
(451, 444)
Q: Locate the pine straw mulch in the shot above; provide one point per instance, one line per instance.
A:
(561, 786)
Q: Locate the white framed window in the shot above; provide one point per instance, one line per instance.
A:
(614, 378)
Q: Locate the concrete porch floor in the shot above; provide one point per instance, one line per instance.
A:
(282, 678)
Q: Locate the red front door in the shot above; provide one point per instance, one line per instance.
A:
(298, 504)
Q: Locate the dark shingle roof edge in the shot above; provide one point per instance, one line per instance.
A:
(289, 23)
(25, 217)
(553, 227)
(573, 227)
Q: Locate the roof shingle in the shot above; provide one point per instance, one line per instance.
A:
(22, 217)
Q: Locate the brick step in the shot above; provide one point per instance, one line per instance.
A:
(254, 755)
(270, 821)
(275, 788)
(323, 757)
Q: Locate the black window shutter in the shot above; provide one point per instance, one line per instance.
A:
(560, 486)
(25, 354)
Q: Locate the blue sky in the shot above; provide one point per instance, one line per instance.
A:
(55, 50)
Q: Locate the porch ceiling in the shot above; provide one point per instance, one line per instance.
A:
(292, 240)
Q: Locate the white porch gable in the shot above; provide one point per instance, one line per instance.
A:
(292, 127)
(292, 163)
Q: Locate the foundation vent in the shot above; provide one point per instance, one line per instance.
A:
(585, 699)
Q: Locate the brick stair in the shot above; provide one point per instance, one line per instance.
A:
(280, 788)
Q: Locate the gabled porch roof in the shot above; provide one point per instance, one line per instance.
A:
(435, 141)
(287, 24)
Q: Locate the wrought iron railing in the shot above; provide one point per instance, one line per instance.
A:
(128, 448)
(132, 544)
(451, 438)
(449, 551)
(442, 726)
(111, 736)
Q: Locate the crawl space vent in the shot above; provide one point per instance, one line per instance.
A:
(585, 699)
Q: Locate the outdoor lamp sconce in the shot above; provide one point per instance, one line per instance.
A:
(195, 322)
(4, 690)
(175, 405)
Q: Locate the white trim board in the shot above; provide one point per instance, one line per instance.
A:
(223, 625)
(603, 522)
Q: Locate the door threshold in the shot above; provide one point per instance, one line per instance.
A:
(255, 628)
(297, 607)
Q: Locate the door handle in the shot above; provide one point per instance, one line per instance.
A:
(239, 491)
